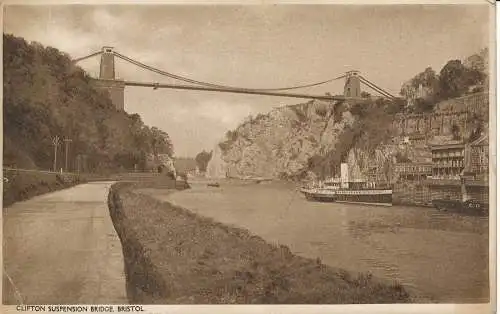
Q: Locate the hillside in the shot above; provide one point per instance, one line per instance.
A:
(46, 95)
(305, 139)
(311, 139)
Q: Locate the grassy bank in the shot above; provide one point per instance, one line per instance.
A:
(174, 256)
(23, 185)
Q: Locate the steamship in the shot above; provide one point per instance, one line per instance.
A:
(342, 190)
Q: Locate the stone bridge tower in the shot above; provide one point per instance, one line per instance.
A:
(352, 87)
(107, 80)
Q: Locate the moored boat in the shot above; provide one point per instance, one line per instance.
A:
(344, 191)
(375, 196)
(366, 196)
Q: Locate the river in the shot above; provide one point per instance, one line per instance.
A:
(440, 257)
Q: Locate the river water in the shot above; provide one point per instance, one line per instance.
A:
(439, 257)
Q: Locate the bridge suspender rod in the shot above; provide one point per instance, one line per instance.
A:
(86, 57)
(237, 91)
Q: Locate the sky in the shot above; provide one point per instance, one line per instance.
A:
(252, 46)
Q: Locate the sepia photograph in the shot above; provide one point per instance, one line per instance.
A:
(209, 153)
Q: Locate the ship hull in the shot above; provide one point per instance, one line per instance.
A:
(371, 197)
(320, 197)
(377, 197)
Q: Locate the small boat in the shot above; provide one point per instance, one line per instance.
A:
(468, 207)
(214, 184)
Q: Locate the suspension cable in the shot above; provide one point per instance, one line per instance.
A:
(379, 88)
(202, 83)
(376, 88)
(185, 79)
(86, 57)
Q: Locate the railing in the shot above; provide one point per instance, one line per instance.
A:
(37, 171)
(86, 175)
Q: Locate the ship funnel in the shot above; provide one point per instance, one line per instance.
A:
(344, 175)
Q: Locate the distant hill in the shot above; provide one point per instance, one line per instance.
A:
(46, 95)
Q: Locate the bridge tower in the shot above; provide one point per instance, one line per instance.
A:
(107, 80)
(352, 87)
(107, 71)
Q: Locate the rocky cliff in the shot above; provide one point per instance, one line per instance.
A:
(280, 143)
(311, 139)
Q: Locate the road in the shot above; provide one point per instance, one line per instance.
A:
(62, 248)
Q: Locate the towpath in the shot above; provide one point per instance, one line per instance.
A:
(62, 248)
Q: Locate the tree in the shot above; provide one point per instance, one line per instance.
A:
(46, 95)
(455, 79)
(478, 61)
(424, 105)
(202, 160)
(160, 142)
(422, 85)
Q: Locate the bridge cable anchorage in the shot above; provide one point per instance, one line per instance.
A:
(86, 57)
(188, 80)
(375, 87)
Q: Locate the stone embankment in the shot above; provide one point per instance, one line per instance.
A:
(173, 256)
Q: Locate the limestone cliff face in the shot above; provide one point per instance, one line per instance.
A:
(217, 167)
(281, 142)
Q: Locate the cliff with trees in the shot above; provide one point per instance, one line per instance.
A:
(457, 78)
(46, 95)
(310, 140)
(306, 139)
